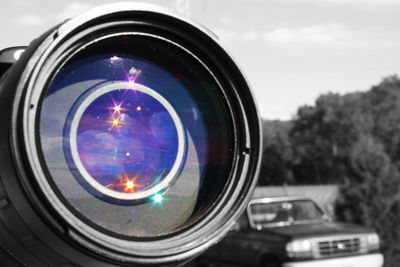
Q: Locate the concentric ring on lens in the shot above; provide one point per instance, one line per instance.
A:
(166, 181)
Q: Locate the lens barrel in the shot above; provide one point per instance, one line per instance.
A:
(129, 138)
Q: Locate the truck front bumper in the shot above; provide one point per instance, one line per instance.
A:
(371, 260)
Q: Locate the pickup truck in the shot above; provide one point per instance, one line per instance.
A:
(293, 231)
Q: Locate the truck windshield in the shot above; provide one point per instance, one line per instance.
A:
(285, 212)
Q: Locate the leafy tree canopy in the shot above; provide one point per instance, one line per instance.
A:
(315, 147)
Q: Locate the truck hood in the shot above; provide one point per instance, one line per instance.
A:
(317, 229)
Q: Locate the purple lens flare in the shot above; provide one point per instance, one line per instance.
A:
(127, 141)
(164, 160)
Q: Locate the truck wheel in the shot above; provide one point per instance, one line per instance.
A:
(270, 262)
(199, 263)
(205, 265)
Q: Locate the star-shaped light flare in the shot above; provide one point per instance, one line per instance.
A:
(115, 123)
(116, 115)
(130, 184)
(117, 108)
(132, 75)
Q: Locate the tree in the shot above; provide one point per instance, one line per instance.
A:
(277, 154)
(383, 103)
(322, 134)
(372, 197)
(354, 140)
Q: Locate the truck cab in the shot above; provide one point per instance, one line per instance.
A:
(294, 231)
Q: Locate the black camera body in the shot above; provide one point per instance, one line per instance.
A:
(129, 137)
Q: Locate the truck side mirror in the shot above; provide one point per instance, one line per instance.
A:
(327, 218)
(236, 227)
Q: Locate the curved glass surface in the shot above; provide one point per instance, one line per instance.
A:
(126, 140)
(136, 136)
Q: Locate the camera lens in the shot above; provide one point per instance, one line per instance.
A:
(134, 139)
(132, 128)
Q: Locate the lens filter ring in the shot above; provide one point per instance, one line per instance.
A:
(163, 181)
(227, 110)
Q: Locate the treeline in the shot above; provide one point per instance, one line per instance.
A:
(352, 140)
(325, 142)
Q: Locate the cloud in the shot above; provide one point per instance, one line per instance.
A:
(343, 2)
(226, 20)
(30, 20)
(364, 3)
(21, 2)
(224, 34)
(73, 9)
(360, 1)
(182, 7)
(250, 36)
(70, 10)
(312, 34)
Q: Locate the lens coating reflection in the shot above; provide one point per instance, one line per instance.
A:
(127, 141)
(144, 139)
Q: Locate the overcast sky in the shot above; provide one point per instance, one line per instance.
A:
(290, 50)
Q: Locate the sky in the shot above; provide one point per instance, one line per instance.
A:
(290, 50)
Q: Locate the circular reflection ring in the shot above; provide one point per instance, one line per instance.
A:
(169, 178)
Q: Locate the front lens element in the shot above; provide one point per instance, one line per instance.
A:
(136, 136)
(126, 141)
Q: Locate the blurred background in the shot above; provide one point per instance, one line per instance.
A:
(324, 74)
(291, 50)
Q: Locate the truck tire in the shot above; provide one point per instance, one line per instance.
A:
(270, 261)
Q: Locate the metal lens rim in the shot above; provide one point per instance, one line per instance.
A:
(167, 181)
(170, 247)
(221, 215)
